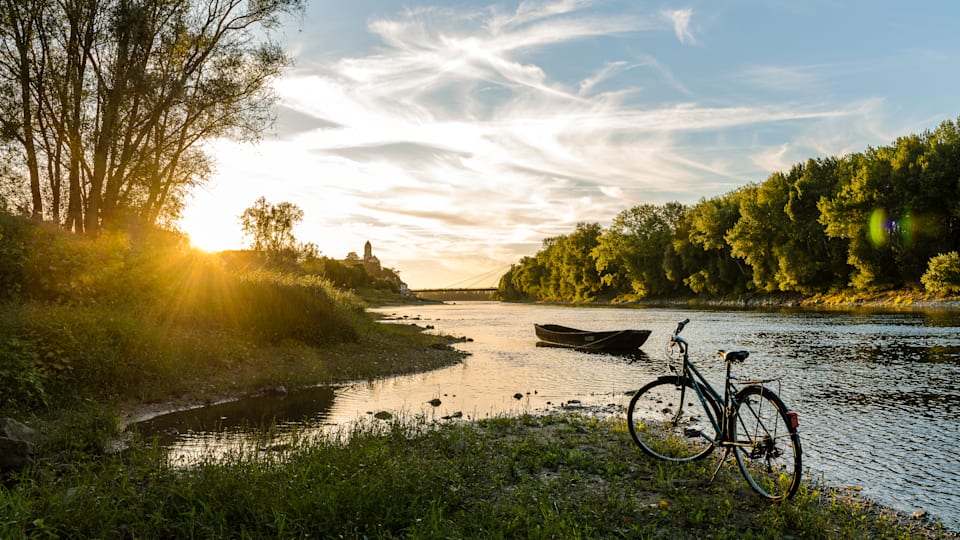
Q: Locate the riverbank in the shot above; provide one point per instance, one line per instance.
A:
(883, 300)
(389, 349)
(554, 476)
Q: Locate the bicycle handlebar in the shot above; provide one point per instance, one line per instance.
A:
(676, 340)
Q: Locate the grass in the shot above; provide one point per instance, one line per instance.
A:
(557, 476)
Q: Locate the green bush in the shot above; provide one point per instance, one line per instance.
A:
(11, 255)
(21, 378)
(137, 314)
(943, 273)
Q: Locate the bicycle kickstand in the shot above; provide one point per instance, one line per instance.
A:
(726, 456)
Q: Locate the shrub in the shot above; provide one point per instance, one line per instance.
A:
(943, 273)
(20, 376)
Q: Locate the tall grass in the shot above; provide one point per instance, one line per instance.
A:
(135, 315)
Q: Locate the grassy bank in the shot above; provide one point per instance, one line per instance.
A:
(133, 318)
(558, 476)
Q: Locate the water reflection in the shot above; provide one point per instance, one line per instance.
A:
(216, 429)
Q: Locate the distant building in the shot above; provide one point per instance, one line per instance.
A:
(370, 261)
(372, 265)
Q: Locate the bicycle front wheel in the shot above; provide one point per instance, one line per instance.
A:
(766, 443)
(670, 422)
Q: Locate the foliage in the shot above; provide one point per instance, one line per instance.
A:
(867, 221)
(943, 274)
(630, 254)
(563, 271)
(270, 227)
(107, 104)
(21, 376)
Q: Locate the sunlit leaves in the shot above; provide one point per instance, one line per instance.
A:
(868, 220)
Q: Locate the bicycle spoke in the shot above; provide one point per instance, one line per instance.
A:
(767, 447)
(668, 421)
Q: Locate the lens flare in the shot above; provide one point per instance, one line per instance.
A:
(878, 228)
(906, 227)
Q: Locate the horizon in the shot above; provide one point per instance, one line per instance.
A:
(455, 139)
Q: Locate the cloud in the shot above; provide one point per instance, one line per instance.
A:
(465, 132)
(681, 25)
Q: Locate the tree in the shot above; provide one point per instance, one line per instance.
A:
(943, 273)
(270, 227)
(119, 95)
(702, 257)
(897, 206)
(760, 236)
(630, 255)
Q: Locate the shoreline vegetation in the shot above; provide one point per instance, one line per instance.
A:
(880, 300)
(95, 333)
(884, 219)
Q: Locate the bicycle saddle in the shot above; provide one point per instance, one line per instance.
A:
(734, 357)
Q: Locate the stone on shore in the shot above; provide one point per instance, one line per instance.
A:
(16, 444)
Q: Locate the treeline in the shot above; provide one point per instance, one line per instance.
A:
(886, 218)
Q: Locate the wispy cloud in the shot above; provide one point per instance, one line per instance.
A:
(458, 139)
(681, 25)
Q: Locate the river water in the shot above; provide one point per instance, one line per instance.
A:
(876, 392)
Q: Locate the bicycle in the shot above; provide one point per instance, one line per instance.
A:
(681, 417)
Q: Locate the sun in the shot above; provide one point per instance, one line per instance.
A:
(211, 230)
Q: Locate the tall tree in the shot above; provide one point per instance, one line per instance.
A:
(19, 26)
(122, 93)
(761, 232)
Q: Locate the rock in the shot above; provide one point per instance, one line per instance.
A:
(14, 454)
(16, 444)
(277, 391)
(919, 514)
(518, 395)
(383, 415)
(12, 429)
(435, 402)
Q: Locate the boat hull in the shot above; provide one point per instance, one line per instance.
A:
(585, 340)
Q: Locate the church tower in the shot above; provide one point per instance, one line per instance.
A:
(367, 251)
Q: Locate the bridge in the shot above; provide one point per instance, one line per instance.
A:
(456, 294)
(474, 288)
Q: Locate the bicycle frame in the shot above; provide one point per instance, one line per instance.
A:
(699, 383)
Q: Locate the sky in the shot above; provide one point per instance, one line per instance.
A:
(456, 136)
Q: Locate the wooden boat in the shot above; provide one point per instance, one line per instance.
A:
(585, 340)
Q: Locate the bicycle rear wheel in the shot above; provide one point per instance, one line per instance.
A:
(669, 422)
(767, 445)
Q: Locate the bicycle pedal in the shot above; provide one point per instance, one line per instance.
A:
(692, 433)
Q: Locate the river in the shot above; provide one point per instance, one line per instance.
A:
(876, 392)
